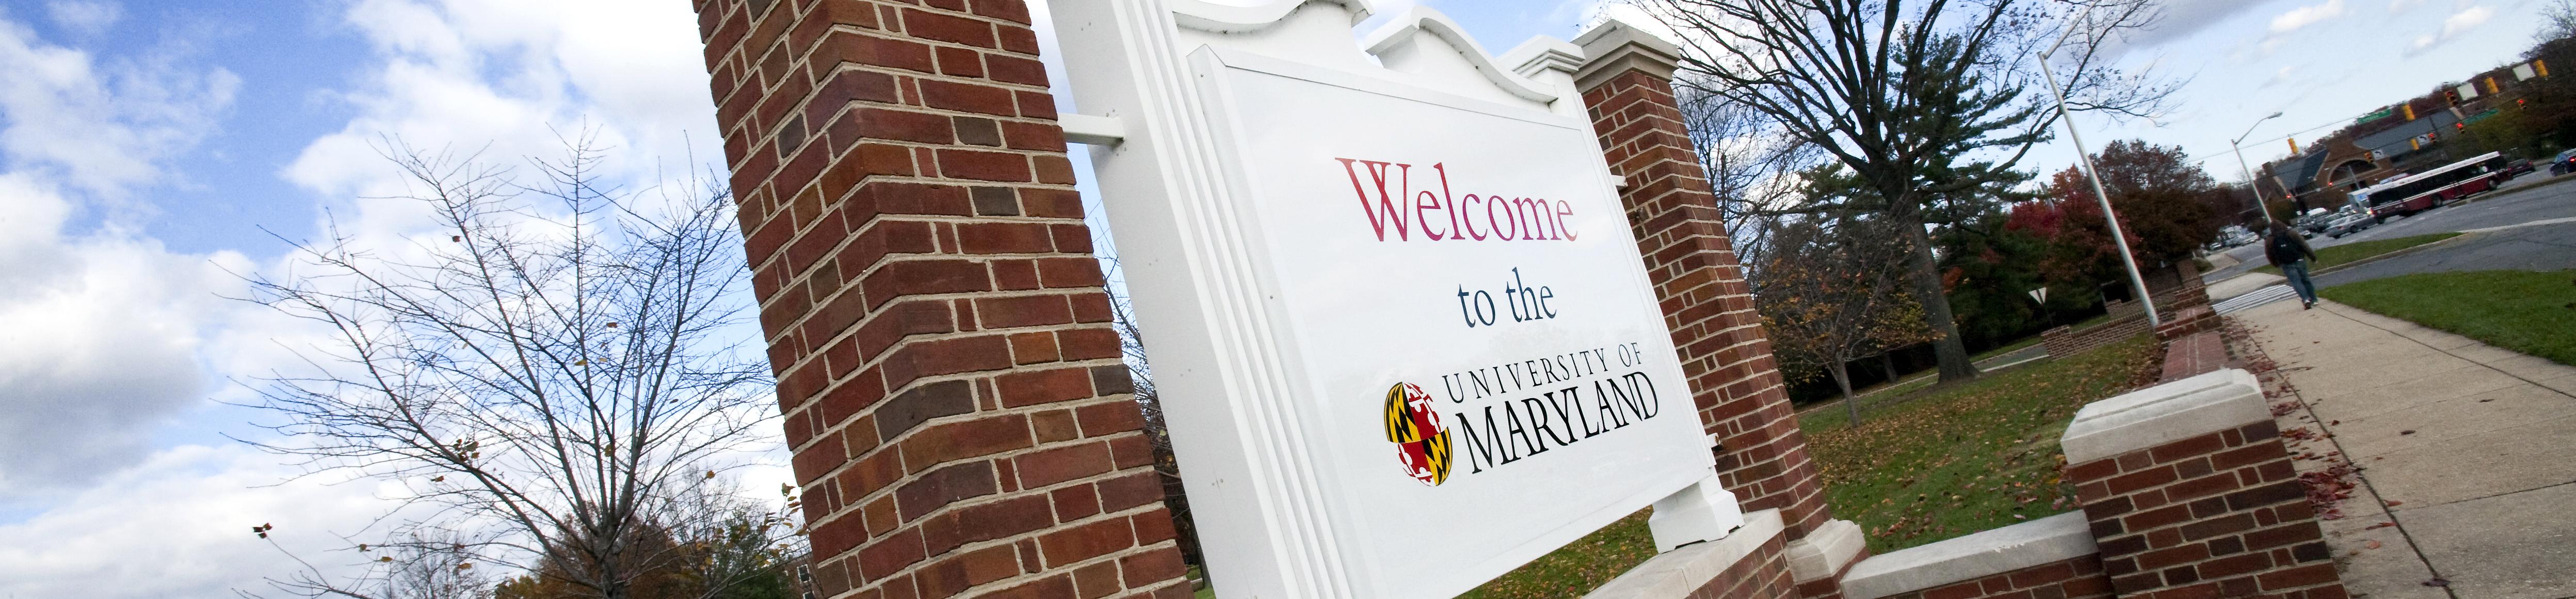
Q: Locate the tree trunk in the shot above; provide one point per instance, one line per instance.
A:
(1887, 362)
(1951, 351)
(1851, 405)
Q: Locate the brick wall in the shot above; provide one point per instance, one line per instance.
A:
(2185, 308)
(1762, 575)
(1750, 563)
(2075, 578)
(1761, 456)
(961, 422)
(2220, 514)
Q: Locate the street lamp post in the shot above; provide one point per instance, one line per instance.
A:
(2085, 157)
(2239, 145)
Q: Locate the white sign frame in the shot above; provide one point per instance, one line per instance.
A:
(1224, 352)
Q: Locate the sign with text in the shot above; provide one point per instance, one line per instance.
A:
(1480, 371)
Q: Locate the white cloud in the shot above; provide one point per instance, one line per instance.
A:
(2458, 23)
(507, 78)
(98, 340)
(2399, 6)
(2304, 16)
(179, 526)
(100, 128)
(86, 17)
(2180, 19)
(2278, 77)
(99, 327)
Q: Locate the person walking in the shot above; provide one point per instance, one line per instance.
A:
(2291, 254)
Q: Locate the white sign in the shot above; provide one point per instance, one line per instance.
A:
(1480, 357)
(1400, 328)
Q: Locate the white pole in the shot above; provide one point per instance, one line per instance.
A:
(2239, 145)
(2085, 157)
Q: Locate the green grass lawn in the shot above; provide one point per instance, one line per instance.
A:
(1966, 458)
(2006, 349)
(1578, 567)
(1917, 380)
(2524, 311)
(1960, 460)
(2349, 252)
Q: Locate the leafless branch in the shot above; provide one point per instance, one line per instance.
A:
(556, 375)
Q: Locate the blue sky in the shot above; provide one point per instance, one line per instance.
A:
(148, 149)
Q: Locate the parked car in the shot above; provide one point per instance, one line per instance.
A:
(2312, 223)
(2230, 236)
(2563, 164)
(2349, 222)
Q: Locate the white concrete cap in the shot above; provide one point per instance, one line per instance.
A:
(1825, 551)
(1675, 574)
(1615, 46)
(2054, 538)
(2165, 413)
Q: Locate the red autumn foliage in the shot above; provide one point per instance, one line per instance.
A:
(2168, 207)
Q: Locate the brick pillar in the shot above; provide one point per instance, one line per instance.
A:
(2190, 494)
(1761, 455)
(961, 421)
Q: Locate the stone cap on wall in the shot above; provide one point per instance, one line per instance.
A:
(1678, 573)
(2164, 413)
(1615, 46)
(2037, 542)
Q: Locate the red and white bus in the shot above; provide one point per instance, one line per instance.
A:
(2422, 191)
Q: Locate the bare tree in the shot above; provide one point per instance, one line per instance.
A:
(1158, 432)
(1831, 292)
(2557, 20)
(557, 376)
(1751, 165)
(1918, 99)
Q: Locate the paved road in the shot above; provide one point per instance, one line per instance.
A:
(2536, 247)
(2522, 201)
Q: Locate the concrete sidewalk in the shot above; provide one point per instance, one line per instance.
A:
(2466, 453)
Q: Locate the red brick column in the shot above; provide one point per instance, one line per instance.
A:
(961, 422)
(2190, 494)
(1761, 455)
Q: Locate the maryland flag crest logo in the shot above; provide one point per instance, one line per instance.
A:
(1421, 441)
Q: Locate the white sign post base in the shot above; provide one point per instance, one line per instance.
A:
(1704, 511)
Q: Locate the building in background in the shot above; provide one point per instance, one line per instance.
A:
(2421, 132)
